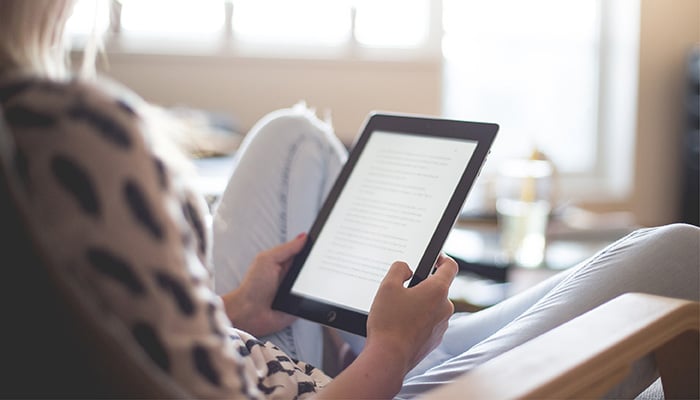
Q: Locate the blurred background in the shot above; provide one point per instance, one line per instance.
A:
(604, 90)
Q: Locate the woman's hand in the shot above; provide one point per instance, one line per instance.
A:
(404, 324)
(411, 321)
(249, 306)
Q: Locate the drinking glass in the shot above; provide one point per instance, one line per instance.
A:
(523, 205)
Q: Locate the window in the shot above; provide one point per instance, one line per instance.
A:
(278, 24)
(86, 16)
(556, 75)
(306, 22)
(377, 24)
(172, 18)
(504, 64)
(362, 23)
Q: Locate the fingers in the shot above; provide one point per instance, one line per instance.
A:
(441, 259)
(286, 251)
(398, 273)
(446, 269)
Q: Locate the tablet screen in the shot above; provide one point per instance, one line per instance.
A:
(388, 210)
(396, 199)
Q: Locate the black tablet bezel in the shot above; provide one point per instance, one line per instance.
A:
(352, 320)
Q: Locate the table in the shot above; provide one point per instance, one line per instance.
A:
(477, 243)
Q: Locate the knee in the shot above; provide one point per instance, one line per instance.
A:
(292, 125)
(671, 244)
(680, 233)
(682, 258)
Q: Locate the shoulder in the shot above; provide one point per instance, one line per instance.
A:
(29, 88)
(31, 104)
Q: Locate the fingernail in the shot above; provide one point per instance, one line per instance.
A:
(301, 235)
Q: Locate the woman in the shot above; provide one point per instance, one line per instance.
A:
(86, 164)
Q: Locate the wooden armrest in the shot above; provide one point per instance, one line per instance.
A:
(587, 356)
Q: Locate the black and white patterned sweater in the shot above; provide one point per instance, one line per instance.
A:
(120, 221)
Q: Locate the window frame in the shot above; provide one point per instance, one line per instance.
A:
(225, 43)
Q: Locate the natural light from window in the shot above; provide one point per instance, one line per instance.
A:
(503, 63)
(392, 23)
(304, 22)
(86, 15)
(558, 76)
(169, 17)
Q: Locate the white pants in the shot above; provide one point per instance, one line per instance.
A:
(285, 168)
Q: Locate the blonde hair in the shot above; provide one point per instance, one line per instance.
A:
(32, 38)
(32, 41)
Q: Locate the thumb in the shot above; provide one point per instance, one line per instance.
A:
(446, 271)
(287, 250)
(398, 273)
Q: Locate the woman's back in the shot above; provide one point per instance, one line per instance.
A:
(111, 218)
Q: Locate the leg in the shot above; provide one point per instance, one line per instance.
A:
(467, 330)
(663, 261)
(285, 167)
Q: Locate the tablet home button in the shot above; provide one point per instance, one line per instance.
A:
(331, 316)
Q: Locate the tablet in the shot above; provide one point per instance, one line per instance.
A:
(396, 198)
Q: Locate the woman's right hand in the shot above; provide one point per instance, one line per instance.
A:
(404, 325)
(411, 321)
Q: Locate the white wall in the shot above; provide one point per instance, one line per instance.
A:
(248, 88)
(668, 30)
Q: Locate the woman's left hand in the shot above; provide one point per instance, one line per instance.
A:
(249, 306)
